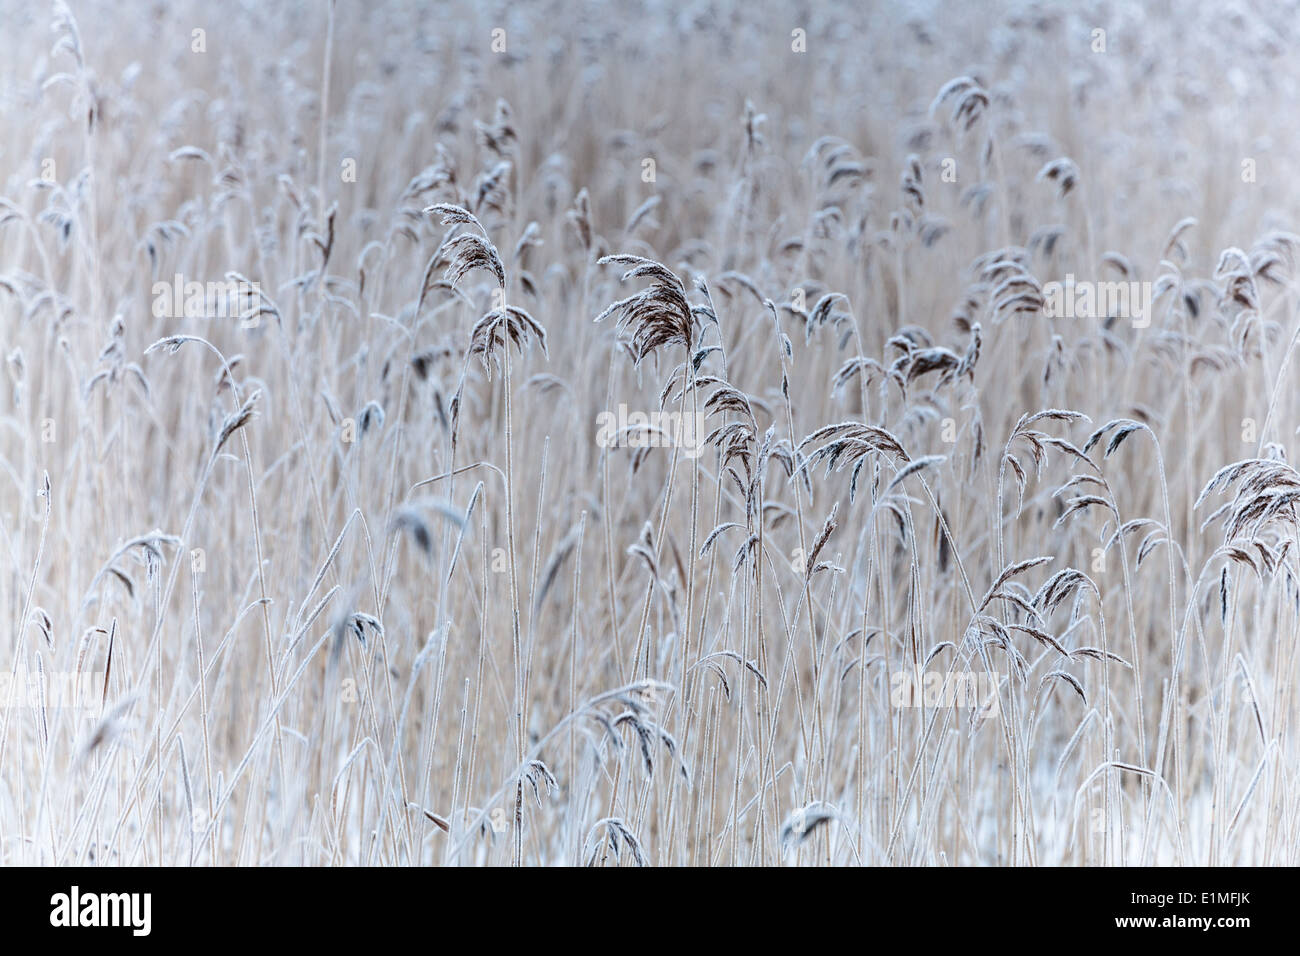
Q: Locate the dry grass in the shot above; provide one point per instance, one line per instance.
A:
(355, 576)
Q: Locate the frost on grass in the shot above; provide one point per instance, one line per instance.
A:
(349, 573)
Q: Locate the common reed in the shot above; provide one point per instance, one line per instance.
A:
(950, 516)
